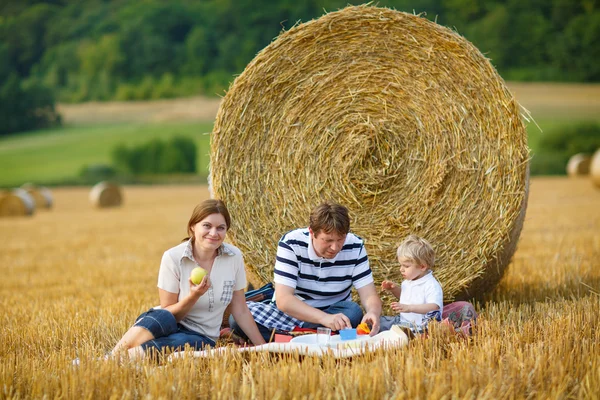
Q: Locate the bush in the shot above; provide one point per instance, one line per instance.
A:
(549, 163)
(177, 155)
(97, 172)
(560, 144)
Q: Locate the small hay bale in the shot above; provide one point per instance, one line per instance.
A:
(579, 165)
(595, 168)
(106, 194)
(400, 119)
(41, 195)
(16, 203)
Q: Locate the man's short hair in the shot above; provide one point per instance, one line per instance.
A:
(330, 217)
(418, 250)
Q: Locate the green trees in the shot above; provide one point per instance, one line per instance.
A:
(533, 40)
(25, 103)
(146, 49)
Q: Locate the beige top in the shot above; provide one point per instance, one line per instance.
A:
(227, 275)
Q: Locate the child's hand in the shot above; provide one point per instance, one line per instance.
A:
(401, 308)
(388, 285)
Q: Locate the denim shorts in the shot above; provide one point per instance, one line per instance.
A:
(168, 334)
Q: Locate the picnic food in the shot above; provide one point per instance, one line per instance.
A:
(197, 275)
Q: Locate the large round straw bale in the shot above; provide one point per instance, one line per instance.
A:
(106, 194)
(41, 195)
(16, 203)
(595, 168)
(578, 165)
(400, 119)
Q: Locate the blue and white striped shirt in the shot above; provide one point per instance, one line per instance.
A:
(321, 282)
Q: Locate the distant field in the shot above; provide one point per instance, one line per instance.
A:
(553, 105)
(57, 155)
(92, 129)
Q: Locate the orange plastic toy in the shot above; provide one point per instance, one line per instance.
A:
(363, 329)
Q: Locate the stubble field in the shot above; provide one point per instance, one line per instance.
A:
(74, 278)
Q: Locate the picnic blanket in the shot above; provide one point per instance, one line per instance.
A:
(394, 338)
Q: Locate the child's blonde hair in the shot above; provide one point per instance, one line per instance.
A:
(417, 250)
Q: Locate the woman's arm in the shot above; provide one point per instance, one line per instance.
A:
(243, 317)
(179, 309)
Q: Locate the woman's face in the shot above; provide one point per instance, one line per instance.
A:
(210, 232)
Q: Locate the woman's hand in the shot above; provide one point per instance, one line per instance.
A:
(201, 288)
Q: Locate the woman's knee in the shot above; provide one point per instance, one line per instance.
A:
(158, 322)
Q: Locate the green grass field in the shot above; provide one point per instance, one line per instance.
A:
(56, 156)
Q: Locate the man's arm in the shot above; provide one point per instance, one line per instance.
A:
(288, 303)
(372, 304)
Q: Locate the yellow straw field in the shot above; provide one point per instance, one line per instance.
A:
(73, 279)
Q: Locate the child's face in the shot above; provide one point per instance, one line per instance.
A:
(411, 270)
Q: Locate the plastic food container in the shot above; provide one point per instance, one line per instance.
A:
(348, 334)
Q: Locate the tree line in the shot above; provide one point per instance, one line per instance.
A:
(76, 51)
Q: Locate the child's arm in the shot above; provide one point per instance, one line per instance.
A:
(414, 308)
(392, 287)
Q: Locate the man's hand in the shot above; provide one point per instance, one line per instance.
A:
(335, 322)
(373, 320)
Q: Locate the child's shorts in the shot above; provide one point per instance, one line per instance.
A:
(168, 334)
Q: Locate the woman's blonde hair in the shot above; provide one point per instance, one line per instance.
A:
(418, 250)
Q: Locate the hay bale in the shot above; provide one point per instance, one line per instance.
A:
(595, 168)
(16, 203)
(402, 120)
(578, 165)
(106, 194)
(41, 195)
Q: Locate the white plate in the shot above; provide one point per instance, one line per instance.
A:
(334, 341)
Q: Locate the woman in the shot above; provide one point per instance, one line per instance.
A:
(192, 314)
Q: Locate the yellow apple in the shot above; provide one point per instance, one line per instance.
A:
(197, 275)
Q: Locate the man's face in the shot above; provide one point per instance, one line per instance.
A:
(327, 245)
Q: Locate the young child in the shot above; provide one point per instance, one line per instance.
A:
(421, 294)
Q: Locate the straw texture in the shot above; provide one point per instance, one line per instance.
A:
(595, 169)
(106, 194)
(578, 165)
(402, 120)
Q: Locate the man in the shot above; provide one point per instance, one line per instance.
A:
(315, 271)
